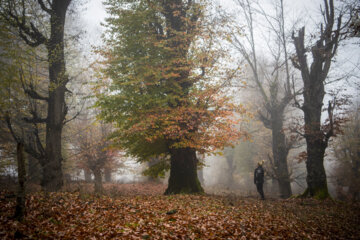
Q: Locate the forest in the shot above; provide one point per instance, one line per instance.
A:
(179, 119)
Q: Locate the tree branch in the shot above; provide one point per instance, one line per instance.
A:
(33, 94)
(43, 7)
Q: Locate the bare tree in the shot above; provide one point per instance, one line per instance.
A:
(317, 136)
(273, 85)
(16, 13)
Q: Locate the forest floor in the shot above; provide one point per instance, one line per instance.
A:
(140, 211)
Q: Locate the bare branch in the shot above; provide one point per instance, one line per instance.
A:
(43, 7)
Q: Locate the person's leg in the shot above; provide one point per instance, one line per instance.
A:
(261, 191)
(258, 188)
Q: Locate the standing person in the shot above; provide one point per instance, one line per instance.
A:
(259, 179)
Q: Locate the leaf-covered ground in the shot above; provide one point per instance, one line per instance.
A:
(153, 216)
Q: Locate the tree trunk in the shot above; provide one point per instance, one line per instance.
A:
(98, 181)
(57, 109)
(230, 171)
(183, 172)
(87, 175)
(20, 199)
(280, 153)
(34, 170)
(314, 78)
(107, 173)
(316, 176)
(315, 142)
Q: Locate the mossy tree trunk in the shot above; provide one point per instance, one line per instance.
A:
(316, 145)
(183, 172)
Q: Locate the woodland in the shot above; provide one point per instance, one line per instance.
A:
(153, 130)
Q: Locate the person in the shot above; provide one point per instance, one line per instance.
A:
(259, 179)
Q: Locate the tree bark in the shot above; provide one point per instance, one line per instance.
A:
(280, 153)
(107, 173)
(98, 181)
(183, 172)
(87, 175)
(34, 170)
(20, 199)
(57, 109)
(313, 78)
(230, 171)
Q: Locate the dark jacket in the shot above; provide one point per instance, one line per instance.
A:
(259, 175)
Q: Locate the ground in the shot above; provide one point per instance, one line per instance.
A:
(139, 211)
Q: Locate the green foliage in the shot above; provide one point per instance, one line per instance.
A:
(322, 194)
(154, 87)
(158, 169)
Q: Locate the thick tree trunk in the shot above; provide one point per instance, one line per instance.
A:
(20, 199)
(315, 140)
(57, 109)
(98, 181)
(316, 176)
(280, 153)
(183, 172)
(314, 78)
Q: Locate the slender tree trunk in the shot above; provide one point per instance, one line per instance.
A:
(230, 172)
(34, 170)
(57, 109)
(354, 185)
(183, 172)
(20, 199)
(280, 153)
(98, 181)
(87, 175)
(107, 173)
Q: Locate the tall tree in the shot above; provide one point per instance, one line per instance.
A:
(160, 58)
(17, 13)
(273, 83)
(313, 77)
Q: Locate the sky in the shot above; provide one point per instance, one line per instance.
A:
(95, 13)
(309, 10)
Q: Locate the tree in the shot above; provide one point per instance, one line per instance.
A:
(313, 77)
(272, 82)
(20, 66)
(20, 199)
(16, 13)
(159, 62)
(92, 150)
(347, 153)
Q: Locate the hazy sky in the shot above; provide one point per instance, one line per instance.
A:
(95, 13)
(308, 10)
